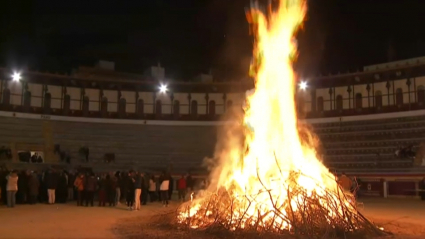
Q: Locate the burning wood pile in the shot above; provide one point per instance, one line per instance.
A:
(287, 209)
(270, 180)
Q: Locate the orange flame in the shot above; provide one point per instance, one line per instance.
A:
(273, 151)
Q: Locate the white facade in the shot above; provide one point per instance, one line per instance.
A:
(95, 96)
(388, 91)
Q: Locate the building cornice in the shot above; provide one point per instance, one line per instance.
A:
(129, 85)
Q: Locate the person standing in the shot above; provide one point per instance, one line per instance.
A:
(51, 183)
(189, 184)
(90, 187)
(111, 184)
(22, 193)
(137, 190)
(62, 188)
(164, 188)
(129, 187)
(33, 185)
(170, 188)
(79, 185)
(152, 188)
(70, 181)
(181, 187)
(12, 188)
(102, 191)
(118, 186)
(124, 185)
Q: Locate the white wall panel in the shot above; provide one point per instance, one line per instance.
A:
(56, 93)
(147, 98)
(112, 100)
(75, 94)
(93, 95)
(15, 92)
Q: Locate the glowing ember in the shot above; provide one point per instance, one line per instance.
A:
(272, 180)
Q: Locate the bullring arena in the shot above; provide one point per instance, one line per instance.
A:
(370, 124)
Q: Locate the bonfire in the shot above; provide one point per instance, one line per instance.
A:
(271, 179)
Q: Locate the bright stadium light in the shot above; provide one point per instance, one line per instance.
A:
(16, 76)
(163, 88)
(303, 85)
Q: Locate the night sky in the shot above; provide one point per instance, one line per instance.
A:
(193, 36)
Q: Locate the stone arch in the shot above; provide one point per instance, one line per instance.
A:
(378, 99)
(358, 101)
(122, 107)
(104, 107)
(47, 103)
(339, 102)
(6, 97)
(140, 107)
(194, 108)
(211, 107)
(85, 106)
(158, 107)
(420, 94)
(67, 104)
(399, 96)
(27, 100)
(320, 104)
(176, 109)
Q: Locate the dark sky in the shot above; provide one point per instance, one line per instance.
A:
(192, 36)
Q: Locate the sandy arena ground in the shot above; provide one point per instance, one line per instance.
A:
(404, 217)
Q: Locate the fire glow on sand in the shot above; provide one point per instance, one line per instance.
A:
(271, 179)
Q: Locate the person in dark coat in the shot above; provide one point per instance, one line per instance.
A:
(21, 195)
(42, 195)
(164, 188)
(129, 187)
(111, 185)
(3, 186)
(124, 185)
(62, 189)
(171, 187)
(90, 187)
(52, 180)
(71, 180)
(33, 186)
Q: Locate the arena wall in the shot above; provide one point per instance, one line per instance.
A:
(144, 145)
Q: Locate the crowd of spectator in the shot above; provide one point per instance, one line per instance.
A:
(85, 187)
(405, 152)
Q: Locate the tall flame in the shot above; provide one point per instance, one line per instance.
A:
(271, 171)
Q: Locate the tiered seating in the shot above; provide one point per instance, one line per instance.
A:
(370, 143)
(135, 146)
(345, 145)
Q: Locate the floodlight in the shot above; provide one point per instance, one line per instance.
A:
(303, 85)
(16, 76)
(163, 88)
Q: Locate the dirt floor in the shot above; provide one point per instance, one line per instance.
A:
(404, 217)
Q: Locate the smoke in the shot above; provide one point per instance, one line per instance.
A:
(312, 41)
(234, 57)
(230, 146)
